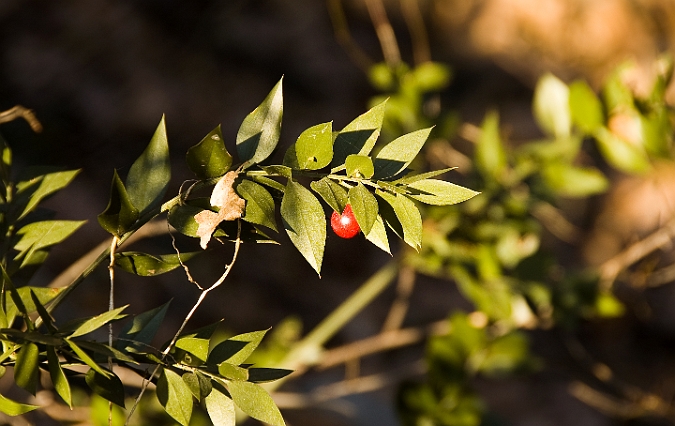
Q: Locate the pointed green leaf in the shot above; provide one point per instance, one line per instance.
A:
(333, 194)
(39, 235)
(26, 369)
(408, 216)
(394, 157)
(199, 385)
(415, 177)
(439, 192)
(364, 206)
(40, 187)
(359, 136)
(621, 154)
(259, 204)
(256, 402)
(85, 357)
(313, 150)
(264, 375)
(139, 332)
(236, 349)
(47, 319)
(98, 321)
(106, 351)
(175, 396)
(147, 265)
(359, 166)
(232, 372)
(43, 294)
(259, 132)
(149, 176)
(195, 346)
(220, 408)
(108, 386)
(378, 235)
(13, 408)
(490, 153)
(209, 158)
(304, 222)
(585, 107)
(551, 106)
(570, 181)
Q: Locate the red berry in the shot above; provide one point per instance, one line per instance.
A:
(345, 225)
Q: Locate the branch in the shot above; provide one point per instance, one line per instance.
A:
(21, 112)
(385, 33)
(344, 36)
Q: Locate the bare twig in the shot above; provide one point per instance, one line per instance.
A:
(384, 31)
(111, 306)
(404, 288)
(418, 32)
(556, 222)
(21, 112)
(344, 36)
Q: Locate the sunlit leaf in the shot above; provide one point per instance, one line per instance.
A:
(147, 265)
(175, 396)
(209, 158)
(394, 157)
(359, 166)
(313, 150)
(304, 222)
(259, 132)
(410, 178)
(439, 192)
(232, 372)
(199, 385)
(259, 204)
(98, 321)
(364, 206)
(551, 106)
(47, 184)
(85, 357)
(108, 386)
(43, 294)
(256, 402)
(195, 346)
(378, 235)
(408, 216)
(139, 332)
(359, 136)
(264, 375)
(13, 408)
(149, 176)
(220, 408)
(39, 235)
(236, 349)
(585, 107)
(26, 369)
(490, 154)
(621, 154)
(333, 194)
(571, 181)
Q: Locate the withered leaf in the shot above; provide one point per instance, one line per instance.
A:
(230, 206)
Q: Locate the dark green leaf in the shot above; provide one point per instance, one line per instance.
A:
(259, 204)
(333, 194)
(220, 408)
(359, 166)
(408, 216)
(98, 321)
(175, 396)
(149, 176)
(585, 107)
(270, 183)
(439, 192)
(264, 375)
(490, 153)
(551, 106)
(199, 385)
(47, 184)
(313, 150)
(364, 206)
(26, 369)
(209, 158)
(147, 265)
(359, 136)
(259, 132)
(13, 408)
(139, 332)
(47, 319)
(39, 235)
(236, 349)
(394, 157)
(304, 222)
(232, 372)
(108, 386)
(256, 402)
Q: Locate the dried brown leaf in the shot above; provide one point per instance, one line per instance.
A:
(230, 206)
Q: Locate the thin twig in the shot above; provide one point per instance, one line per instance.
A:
(404, 288)
(111, 306)
(384, 31)
(21, 112)
(556, 222)
(418, 31)
(344, 36)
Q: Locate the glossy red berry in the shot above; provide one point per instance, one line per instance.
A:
(345, 225)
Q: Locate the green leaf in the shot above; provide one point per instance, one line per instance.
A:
(364, 206)
(313, 150)
(13, 408)
(43, 294)
(98, 321)
(408, 216)
(232, 372)
(333, 194)
(359, 166)
(209, 158)
(149, 176)
(59, 379)
(585, 107)
(259, 132)
(256, 402)
(106, 351)
(439, 192)
(394, 157)
(195, 346)
(85, 357)
(359, 136)
(175, 396)
(259, 204)
(199, 385)
(571, 181)
(142, 329)
(26, 369)
(621, 154)
(264, 375)
(551, 106)
(47, 319)
(277, 170)
(220, 408)
(147, 265)
(236, 349)
(419, 176)
(108, 386)
(120, 215)
(378, 235)
(431, 76)
(304, 222)
(39, 235)
(47, 184)
(490, 153)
